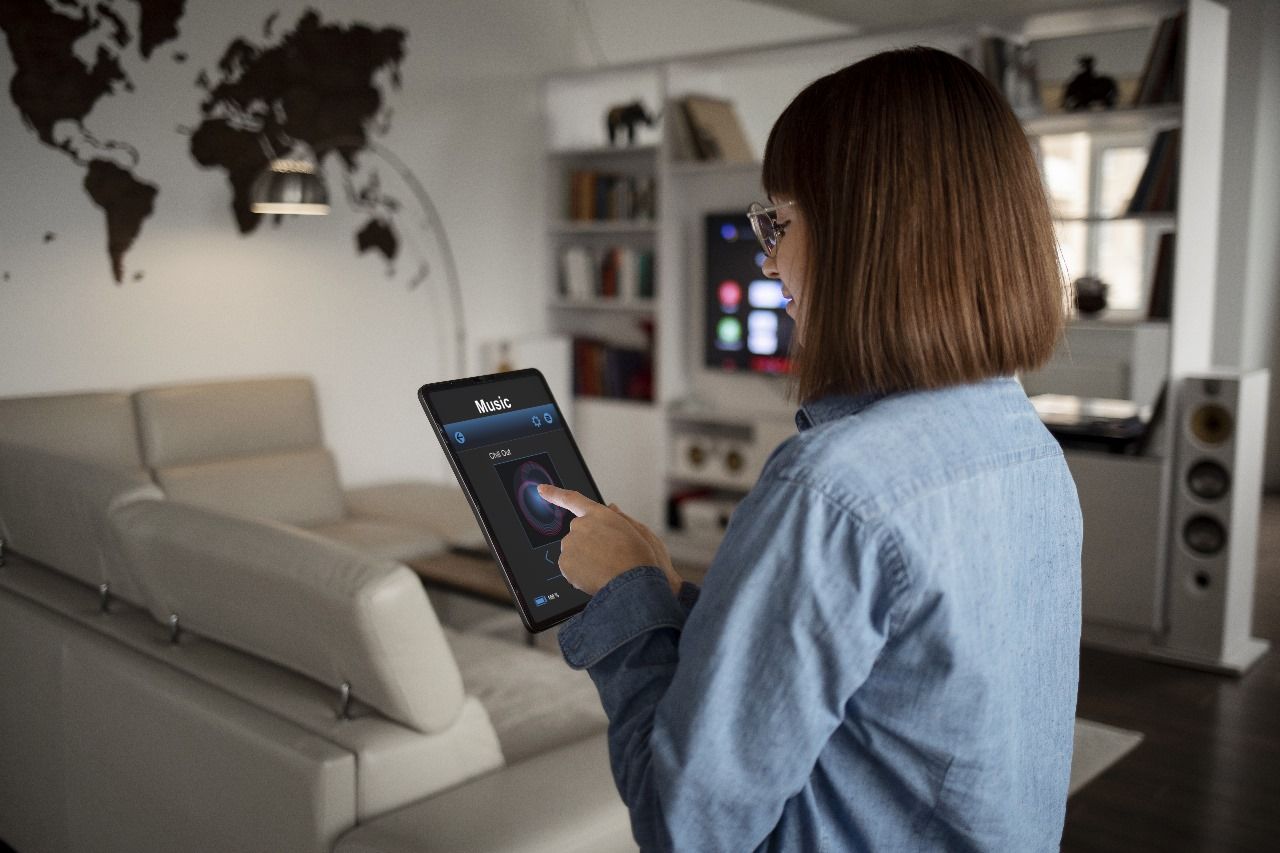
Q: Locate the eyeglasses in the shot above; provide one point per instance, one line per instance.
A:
(764, 221)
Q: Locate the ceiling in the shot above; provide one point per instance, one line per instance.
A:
(892, 14)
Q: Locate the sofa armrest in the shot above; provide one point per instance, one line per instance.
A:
(441, 508)
(565, 801)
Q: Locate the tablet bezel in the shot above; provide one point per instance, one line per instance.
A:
(526, 616)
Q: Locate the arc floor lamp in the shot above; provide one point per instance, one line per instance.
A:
(294, 186)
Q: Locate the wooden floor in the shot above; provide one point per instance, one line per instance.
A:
(1207, 775)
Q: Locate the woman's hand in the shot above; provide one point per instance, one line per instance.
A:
(604, 542)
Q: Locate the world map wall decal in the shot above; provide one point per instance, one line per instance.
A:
(315, 85)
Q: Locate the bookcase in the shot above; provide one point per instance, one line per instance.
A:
(603, 211)
(1122, 352)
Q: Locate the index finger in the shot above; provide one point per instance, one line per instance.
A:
(576, 502)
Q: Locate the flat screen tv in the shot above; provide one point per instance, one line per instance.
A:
(746, 327)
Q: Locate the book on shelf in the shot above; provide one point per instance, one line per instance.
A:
(624, 273)
(680, 135)
(644, 276)
(1157, 189)
(1160, 300)
(601, 369)
(707, 128)
(577, 279)
(1161, 80)
(606, 196)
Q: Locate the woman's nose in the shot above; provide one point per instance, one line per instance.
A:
(770, 268)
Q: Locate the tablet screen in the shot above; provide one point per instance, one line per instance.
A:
(505, 435)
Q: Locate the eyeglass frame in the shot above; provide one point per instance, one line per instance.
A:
(755, 211)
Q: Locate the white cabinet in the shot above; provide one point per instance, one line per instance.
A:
(620, 440)
(1120, 361)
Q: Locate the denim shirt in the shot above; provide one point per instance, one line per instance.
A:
(884, 652)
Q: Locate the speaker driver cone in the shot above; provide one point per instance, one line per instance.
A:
(1208, 480)
(1211, 423)
(1204, 535)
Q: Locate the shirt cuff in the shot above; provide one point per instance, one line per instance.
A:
(688, 595)
(635, 602)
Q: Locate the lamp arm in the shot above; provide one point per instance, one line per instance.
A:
(435, 222)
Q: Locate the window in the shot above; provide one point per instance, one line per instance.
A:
(1090, 178)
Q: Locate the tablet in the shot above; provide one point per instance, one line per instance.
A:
(503, 435)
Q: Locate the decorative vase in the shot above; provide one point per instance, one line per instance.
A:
(1090, 294)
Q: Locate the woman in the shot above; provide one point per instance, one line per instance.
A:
(884, 653)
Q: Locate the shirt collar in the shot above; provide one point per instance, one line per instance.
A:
(822, 409)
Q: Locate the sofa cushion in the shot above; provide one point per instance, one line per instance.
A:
(298, 487)
(564, 801)
(441, 508)
(296, 599)
(384, 540)
(535, 702)
(54, 509)
(96, 426)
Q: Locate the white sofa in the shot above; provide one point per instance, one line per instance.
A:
(250, 684)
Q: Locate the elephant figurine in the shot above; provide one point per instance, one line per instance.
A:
(628, 116)
(1087, 89)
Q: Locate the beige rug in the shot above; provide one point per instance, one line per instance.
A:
(1097, 747)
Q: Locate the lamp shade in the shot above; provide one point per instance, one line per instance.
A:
(289, 186)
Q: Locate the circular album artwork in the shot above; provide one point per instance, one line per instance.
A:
(543, 521)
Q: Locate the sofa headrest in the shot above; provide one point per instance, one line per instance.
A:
(196, 422)
(55, 510)
(301, 601)
(250, 448)
(97, 426)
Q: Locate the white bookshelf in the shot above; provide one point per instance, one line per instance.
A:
(608, 152)
(1119, 120)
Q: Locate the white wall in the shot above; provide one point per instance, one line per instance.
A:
(1247, 316)
(1263, 270)
(296, 298)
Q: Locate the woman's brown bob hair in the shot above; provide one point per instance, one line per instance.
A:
(932, 258)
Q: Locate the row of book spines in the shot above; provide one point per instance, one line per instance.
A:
(604, 196)
(603, 370)
(1157, 189)
(1161, 80)
(619, 272)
